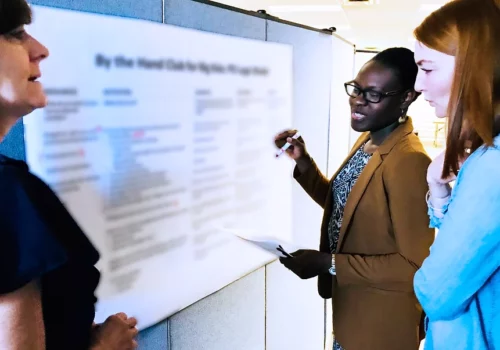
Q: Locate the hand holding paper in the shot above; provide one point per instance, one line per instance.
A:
(308, 263)
(305, 263)
(272, 245)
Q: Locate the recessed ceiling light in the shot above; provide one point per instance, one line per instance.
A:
(305, 8)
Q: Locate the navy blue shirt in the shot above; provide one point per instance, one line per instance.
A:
(39, 240)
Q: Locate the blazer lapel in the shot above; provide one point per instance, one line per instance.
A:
(357, 192)
(366, 175)
(324, 241)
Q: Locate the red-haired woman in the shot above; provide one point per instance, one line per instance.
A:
(458, 285)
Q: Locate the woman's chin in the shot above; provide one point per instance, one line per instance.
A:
(38, 103)
(358, 126)
(31, 107)
(440, 112)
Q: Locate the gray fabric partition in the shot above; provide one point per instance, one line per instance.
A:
(304, 320)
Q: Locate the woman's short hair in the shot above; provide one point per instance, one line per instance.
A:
(13, 14)
(470, 31)
(402, 62)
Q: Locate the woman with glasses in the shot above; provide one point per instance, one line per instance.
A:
(375, 232)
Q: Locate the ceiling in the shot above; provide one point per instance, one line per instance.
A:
(376, 25)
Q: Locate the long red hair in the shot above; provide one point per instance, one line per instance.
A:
(470, 31)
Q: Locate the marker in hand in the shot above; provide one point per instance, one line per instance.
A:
(287, 145)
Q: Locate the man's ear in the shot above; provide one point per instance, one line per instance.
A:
(409, 97)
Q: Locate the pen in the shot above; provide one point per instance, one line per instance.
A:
(287, 145)
(282, 251)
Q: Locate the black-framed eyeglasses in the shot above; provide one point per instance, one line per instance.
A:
(369, 95)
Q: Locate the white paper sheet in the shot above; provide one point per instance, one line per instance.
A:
(272, 245)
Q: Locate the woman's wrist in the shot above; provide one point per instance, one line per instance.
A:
(438, 197)
(304, 163)
(439, 190)
(327, 263)
(95, 344)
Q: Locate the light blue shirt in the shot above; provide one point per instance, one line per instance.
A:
(458, 285)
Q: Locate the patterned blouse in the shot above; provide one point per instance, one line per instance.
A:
(342, 186)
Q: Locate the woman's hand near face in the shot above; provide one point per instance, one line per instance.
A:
(434, 175)
(439, 187)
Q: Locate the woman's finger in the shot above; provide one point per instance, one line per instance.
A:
(134, 332)
(295, 142)
(122, 315)
(132, 321)
(285, 134)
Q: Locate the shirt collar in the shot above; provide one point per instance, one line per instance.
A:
(4, 160)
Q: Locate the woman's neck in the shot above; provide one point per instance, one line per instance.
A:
(378, 137)
(6, 123)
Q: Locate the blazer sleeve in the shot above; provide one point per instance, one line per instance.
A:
(406, 186)
(466, 252)
(314, 183)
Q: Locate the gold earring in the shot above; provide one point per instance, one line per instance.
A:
(403, 117)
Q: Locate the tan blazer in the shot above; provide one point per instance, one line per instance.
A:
(385, 237)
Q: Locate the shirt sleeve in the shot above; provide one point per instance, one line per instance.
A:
(28, 249)
(437, 211)
(465, 253)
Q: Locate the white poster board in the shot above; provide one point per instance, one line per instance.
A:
(154, 137)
